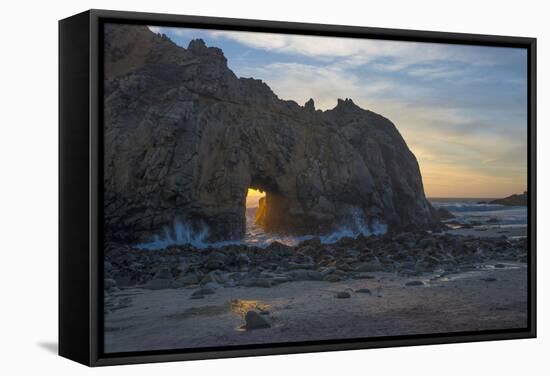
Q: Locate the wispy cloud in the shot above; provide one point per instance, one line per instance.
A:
(325, 84)
(177, 31)
(435, 72)
(461, 109)
(362, 51)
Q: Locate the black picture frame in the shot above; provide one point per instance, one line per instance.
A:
(80, 185)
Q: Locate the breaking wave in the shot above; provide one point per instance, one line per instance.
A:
(179, 234)
(468, 207)
(472, 211)
(183, 234)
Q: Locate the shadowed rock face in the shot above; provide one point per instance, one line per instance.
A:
(185, 138)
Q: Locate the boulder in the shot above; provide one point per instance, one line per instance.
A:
(444, 214)
(255, 321)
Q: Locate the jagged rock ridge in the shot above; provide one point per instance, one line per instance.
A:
(185, 138)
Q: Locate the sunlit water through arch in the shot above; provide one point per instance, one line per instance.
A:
(182, 234)
(466, 211)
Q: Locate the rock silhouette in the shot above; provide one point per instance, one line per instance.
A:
(513, 200)
(184, 138)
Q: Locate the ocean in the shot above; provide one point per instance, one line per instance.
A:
(476, 211)
(467, 211)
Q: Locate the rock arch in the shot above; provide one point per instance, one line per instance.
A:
(185, 138)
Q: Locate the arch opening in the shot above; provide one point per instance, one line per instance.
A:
(266, 210)
(255, 199)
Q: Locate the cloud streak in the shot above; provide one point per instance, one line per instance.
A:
(461, 109)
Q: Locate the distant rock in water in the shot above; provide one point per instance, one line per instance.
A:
(185, 138)
(513, 200)
(443, 214)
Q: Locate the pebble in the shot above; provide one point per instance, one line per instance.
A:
(343, 295)
(362, 276)
(414, 283)
(332, 278)
(205, 291)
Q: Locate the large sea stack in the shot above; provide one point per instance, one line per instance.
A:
(185, 138)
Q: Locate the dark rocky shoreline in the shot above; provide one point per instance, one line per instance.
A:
(407, 254)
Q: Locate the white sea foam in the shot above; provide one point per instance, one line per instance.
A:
(182, 234)
(472, 211)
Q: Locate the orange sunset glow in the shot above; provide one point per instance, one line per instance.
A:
(252, 197)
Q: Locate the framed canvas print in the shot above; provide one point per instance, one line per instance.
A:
(238, 187)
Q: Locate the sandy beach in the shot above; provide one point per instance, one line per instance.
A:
(491, 295)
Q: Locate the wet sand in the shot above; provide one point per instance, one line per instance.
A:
(473, 299)
(491, 231)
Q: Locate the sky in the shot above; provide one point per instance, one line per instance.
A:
(253, 197)
(461, 109)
